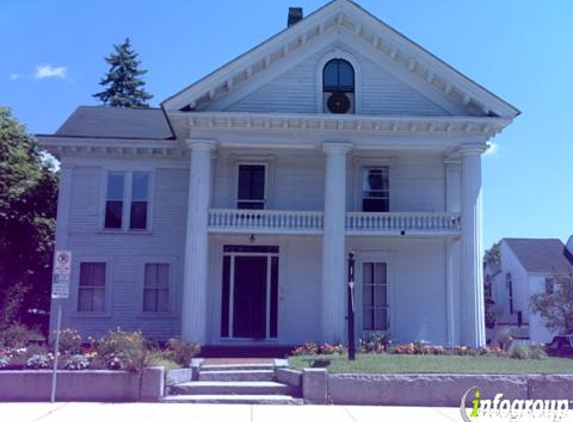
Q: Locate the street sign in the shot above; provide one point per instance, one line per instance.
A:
(63, 263)
(60, 287)
(61, 275)
(60, 290)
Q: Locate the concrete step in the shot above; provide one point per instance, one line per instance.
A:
(233, 399)
(230, 387)
(242, 375)
(239, 367)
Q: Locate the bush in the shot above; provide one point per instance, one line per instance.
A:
(122, 350)
(520, 352)
(181, 352)
(78, 362)
(70, 341)
(15, 336)
(537, 352)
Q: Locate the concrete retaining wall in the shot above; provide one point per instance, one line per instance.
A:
(113, 386)
(427, 389)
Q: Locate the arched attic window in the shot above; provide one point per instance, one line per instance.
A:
(338, 87)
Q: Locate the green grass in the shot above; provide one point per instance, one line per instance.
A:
(400, 364)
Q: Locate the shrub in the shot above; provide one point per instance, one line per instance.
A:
(122, 350)
(15, 336)
(77, 362)
(70, 341)
(181, 352)
(537, 352)
(39, 361)
(520, 352)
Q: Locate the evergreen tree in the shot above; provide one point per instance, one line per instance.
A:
(123, 84)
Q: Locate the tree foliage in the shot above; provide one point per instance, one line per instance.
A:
(556, 307)
(493, 255)
(28, 200)
(123, 84)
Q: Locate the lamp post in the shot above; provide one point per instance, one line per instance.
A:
(351, 334)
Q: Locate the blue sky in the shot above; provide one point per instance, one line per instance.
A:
(51, 60)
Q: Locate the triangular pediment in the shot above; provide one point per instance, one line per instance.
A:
(392, 65)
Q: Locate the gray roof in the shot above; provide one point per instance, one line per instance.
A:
(542, 255)
(115, 122)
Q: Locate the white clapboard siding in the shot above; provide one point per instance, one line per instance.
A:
(295, 91)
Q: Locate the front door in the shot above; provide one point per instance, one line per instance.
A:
(250, 292)
(250, 297)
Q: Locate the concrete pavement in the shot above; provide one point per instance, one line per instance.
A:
(163, 412)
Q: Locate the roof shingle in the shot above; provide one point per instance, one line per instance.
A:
(542, 255)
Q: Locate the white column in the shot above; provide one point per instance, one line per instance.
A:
(472, 326)
(194, 313)
(452, 251)
(333, 249)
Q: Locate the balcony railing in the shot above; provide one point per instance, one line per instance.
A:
(398, 222)
(312, 222)
(270, 221)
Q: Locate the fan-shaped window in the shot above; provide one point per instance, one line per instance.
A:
(338, 87)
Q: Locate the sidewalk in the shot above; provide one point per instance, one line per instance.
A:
(158, 412)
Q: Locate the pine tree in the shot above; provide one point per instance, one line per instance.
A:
(123, 85)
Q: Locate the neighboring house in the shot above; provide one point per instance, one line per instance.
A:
(227, 215)
(525, 267)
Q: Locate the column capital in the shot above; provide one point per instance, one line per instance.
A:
(201, 144)
(472, 149)
(337, 147)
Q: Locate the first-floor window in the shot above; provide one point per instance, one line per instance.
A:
(156, 288)
(375, 296)
(91, 294)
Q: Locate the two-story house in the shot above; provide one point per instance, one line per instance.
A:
(226, 216)
(525, 267)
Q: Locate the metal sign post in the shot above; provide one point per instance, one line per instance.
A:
(351, 334)
(60, 291)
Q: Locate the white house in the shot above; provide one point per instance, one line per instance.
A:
(226, 216)
(525, 267)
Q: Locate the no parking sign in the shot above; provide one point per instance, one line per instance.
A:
(61, 275)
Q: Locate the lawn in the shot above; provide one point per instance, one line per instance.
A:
(400, 364)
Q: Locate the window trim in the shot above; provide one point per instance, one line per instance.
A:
(239, 159)
(386, 257)
(75, 286)
(127, 193)
(339, 54)
(237, 177)
(359, 164)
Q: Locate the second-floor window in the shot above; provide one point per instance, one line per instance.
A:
(375, 189)
(127, 200)
(251, 189)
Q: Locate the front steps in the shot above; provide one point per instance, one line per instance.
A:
(233, 383)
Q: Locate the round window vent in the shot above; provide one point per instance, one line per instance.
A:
(338, 103)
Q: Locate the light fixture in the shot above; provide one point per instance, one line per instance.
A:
(252, 238)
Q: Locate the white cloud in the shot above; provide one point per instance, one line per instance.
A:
(14, 76)
(44, 71)
(493, 148)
